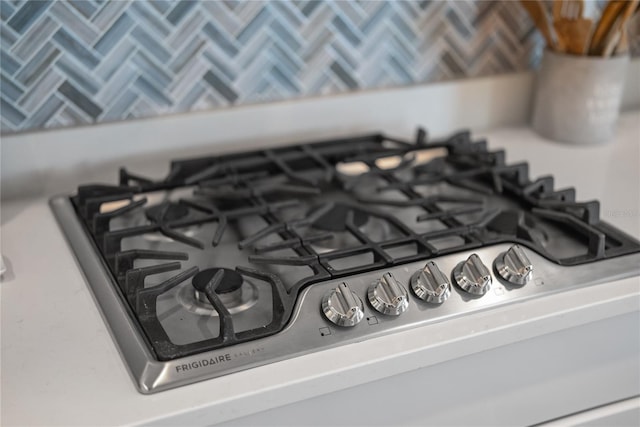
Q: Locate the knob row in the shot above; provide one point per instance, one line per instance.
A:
(388, 296)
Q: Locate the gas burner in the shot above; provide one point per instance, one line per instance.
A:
(234, 292)
(334, 222)
(231, 280)
(166, 212)
(335, 219)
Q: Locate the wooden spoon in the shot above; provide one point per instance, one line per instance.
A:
(617, 35)
(556, 16)
(572, 29)
(538, 14)
(607, 21)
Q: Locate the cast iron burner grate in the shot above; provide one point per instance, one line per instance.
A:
(397, 209)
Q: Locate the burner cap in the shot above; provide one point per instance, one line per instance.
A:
(174, 212)
(231, 281)
(335, 218)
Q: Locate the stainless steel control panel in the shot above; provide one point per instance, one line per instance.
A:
(344, 311)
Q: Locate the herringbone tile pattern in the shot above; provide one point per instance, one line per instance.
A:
(68, 63)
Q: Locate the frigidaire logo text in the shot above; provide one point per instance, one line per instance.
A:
(204, 362)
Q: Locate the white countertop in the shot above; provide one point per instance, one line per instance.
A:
(60, 366)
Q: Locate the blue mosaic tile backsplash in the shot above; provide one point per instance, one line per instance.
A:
(67, 63)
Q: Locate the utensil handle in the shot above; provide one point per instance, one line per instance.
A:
(607, 20)
(579, 7)
(557, 10)
(539, 16)
(623, 44)
(616, 34)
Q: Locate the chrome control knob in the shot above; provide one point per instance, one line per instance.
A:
(514, 266)
(430, 284)
(342, 306)
(388, 296)
(473, 276)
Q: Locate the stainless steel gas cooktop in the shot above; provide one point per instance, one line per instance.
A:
(240, 260)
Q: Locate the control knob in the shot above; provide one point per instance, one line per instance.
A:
(342, 306)
(430, 284)
(388, 296)
(473, 276)
(514, 266)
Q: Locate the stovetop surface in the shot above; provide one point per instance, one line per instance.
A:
(218, 252)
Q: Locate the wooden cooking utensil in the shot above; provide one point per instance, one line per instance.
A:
(617, 34)
(607, 21)
(623, 44)
(556, 11)
(556, 16)
(572, 29)
(538, 14)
